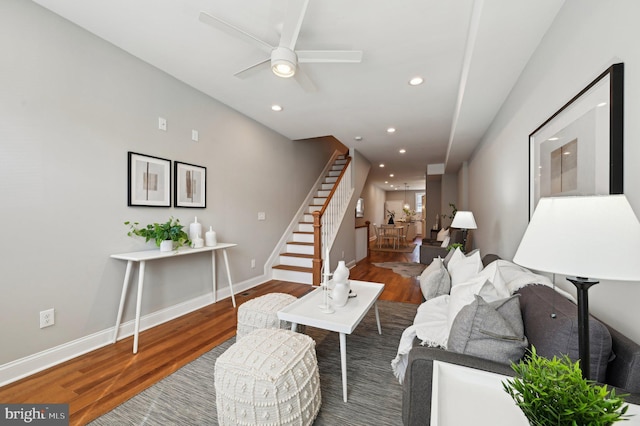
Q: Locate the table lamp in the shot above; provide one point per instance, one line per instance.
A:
(464, 220)
(573, 236)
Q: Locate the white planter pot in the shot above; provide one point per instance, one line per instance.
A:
(166, 245)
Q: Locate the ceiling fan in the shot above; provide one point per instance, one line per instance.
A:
(283, 58)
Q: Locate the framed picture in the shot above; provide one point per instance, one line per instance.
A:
(579, 149)
(190, 189)
(360, 207)
(149, 181)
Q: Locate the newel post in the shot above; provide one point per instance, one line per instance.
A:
(317, 247)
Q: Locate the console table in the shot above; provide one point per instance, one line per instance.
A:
(147, 255)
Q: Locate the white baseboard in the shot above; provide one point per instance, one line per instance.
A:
(31, 364)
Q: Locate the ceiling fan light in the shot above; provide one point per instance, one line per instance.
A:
(283, 69)
(283, 62)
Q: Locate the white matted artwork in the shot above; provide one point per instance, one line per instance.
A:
(149, 181)
(579, 149)
(190, 185)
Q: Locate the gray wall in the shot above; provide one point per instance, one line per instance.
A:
(586, 38)
(71, 106)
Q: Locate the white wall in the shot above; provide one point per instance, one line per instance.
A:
(71, 106)
(586, 38)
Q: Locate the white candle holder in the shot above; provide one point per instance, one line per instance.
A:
(325, 306)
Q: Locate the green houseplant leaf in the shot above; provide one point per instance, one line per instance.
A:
(158, 232)
(553, 392)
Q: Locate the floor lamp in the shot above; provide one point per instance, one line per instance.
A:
(573, 236)
(464, 220)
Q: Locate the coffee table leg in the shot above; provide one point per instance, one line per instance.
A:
(343, 363)
(375, 305)
(294, 326)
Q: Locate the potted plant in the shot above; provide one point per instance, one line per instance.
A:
(165, 235)
(553, 392)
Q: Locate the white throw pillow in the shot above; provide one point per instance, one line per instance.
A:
(442, 234)
(434, 280)
(462, 268)
(445, 242)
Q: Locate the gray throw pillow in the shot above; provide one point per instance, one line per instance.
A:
(489, 330)
(435, 280)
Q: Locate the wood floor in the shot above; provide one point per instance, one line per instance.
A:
(95, 383)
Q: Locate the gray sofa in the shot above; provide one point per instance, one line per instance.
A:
(614, 357)
(430, 249)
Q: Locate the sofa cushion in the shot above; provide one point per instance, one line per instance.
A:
(435, 280)
(462, 268)
(490, 330)
(559, 335)
(442, 234)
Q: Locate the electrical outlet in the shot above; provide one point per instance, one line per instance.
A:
(253, 263)
(47, 318)
(162, 124)
(262, 216)
(194, 135)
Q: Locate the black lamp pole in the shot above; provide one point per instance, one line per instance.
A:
(583, 285)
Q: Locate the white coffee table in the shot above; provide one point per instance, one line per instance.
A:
(344, 320)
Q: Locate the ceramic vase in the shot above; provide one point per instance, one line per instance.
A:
(166, 245)
(210, 237)
(341, 274)
(340, 294)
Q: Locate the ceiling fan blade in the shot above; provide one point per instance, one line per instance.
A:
(305, 81)
(253, 69)
(234, 31)
(317, 56)
(294, 16)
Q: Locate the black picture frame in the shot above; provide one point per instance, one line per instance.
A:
(579, 149)
(190, 186)
(148, 181)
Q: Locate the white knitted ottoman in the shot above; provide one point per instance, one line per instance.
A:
(270, 377)
(262, 312)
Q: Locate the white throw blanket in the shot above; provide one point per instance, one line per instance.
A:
(430, 324)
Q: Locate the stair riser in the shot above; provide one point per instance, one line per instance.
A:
(326, 186)
(334, 173)
(306, 227)
(330, 179)
(296, 261)
(303, 238)
(293, 276)
(319, 201)
(300, 249)
(323, 193)
(312, 209)
(307, 218)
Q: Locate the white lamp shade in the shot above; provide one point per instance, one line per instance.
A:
(594, 237)
(464, 220)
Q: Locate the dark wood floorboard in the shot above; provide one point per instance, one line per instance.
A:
(97, 382)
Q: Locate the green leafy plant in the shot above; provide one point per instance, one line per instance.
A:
(158, 232)
(553, 392)
(454, 210)
(454, 246)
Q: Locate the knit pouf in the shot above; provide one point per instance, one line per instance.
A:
(270, 377)
(262, 312)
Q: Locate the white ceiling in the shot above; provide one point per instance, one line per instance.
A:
(470, 54)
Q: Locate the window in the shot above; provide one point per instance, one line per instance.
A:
(419, 196)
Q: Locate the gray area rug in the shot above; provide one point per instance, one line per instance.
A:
(187, 397)
(406, 269)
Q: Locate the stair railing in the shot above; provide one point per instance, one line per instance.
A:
(327, 220)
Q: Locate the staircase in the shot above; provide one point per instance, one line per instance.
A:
(296, 262)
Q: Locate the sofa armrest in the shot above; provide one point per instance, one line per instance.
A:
(416, 389)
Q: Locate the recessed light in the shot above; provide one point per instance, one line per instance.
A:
(391, 175)
(358, 138)
(391, 130)
(386, 181)
(416, 81)
(276, 108)
(381, 165)
(402, 151)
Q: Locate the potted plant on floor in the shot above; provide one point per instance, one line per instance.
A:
(166, 235)
(553, 392)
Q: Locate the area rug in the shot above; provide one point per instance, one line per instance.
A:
(405, 249)
(188, 397)
(406, 269)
